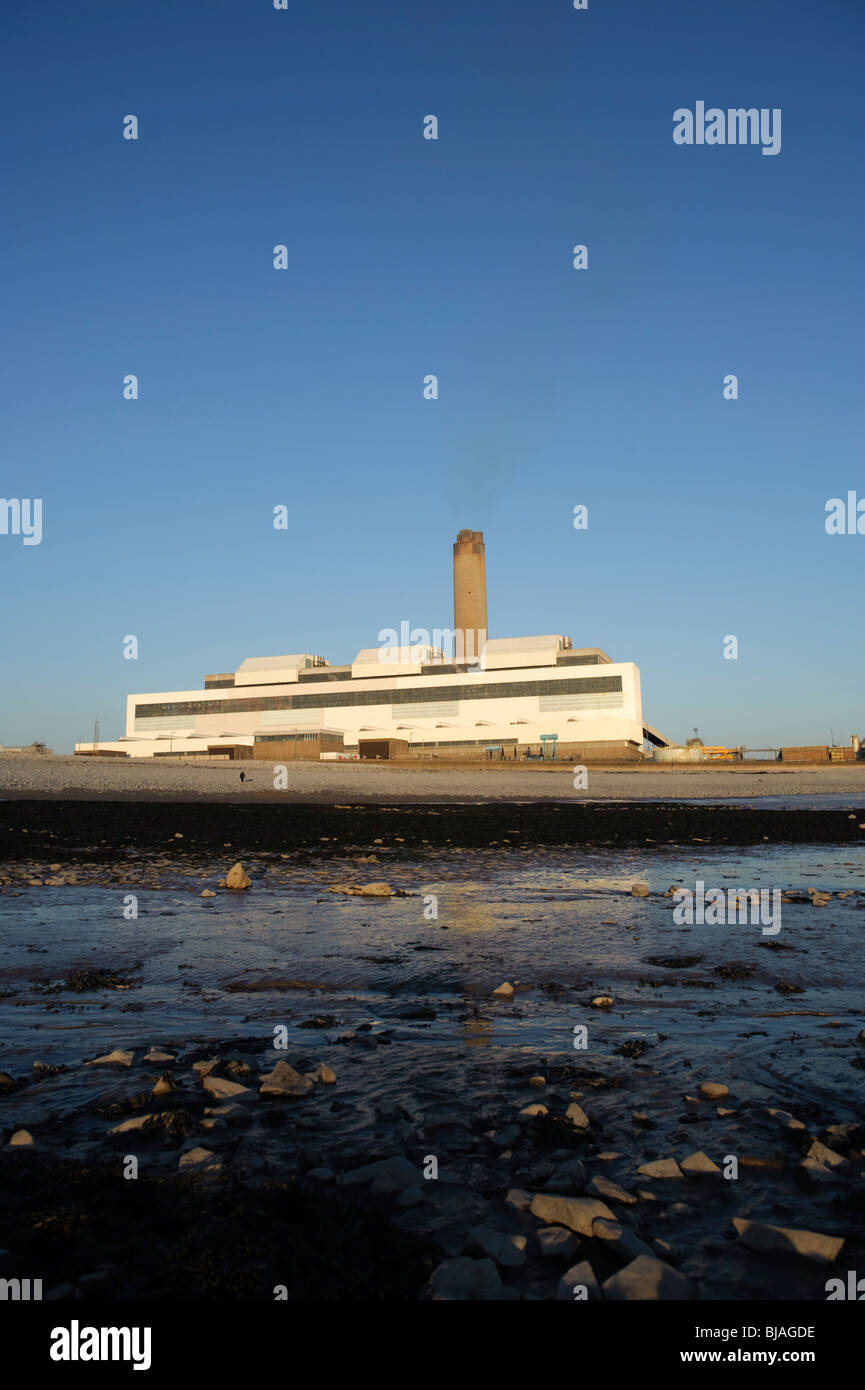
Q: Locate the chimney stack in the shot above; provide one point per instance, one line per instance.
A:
(470, 596)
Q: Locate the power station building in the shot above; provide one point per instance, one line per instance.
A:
(460, 694)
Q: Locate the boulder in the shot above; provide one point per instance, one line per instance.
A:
(578, 1284)
(577, 1213)
(646, 1278)
(285, 1081)
(237, 878)
(785, 1240)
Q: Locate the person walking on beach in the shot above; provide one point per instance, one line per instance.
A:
(243, 776)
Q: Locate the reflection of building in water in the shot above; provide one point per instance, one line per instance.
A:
(479, 1031)
(455, 694)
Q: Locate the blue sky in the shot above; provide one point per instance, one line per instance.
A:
(557, 387)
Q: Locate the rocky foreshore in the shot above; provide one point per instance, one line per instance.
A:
(557, 1188)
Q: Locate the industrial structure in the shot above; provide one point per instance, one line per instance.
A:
(461, 694)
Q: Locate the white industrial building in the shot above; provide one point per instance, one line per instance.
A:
(524, 694)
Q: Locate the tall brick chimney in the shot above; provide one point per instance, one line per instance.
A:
(470, 595)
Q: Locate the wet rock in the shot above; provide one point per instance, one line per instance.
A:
(529, 1112)
(660, 1168)
(204, 1068)
(537, 1081)
(237, 878)
(647, 1278)
(325, 1074)
(577, 1116)
(604, 1187)
(698, 1165)
(21, 1139)
(639, 890)
(620, 1239)
(518, 1198)
(375, 890)
(220, 1089)
(199, 1160)
(117, 1058)
(164, 1085)
(285, 1081)
(713, 1090)
(321, 1174)
(569, 1176)
(785, 1240)
(781, 1117)
(580, 1277)
(508, 1251)
(386, 1174)
(602, 1001)
(231, 1113)
(502, 1138)
(577, 1213)
(465, 1279)
(207, 893)
(821, 1154)
(557, 1242)
(506, 990)
(156, 1055)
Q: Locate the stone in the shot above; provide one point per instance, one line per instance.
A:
(325, 1074)
(285, 1081)
(117, 1058)
(537, 1081)
(557, 1242)
(132, 1125)
(204, 1068)
(466, 1279)
(577, 1116)
(221, 1089)
(21, 1139)
(506, 990)
(207, 893)
(375, 890)
(821, 1154)
(530, 1112)
(602, 1001)
(199, 1160)
(577, 1278)
(785, 1240)
(620, 1239)
(698, 1165)
(164, 1085)
(577, 1213)
(713, 1090)
(518, 1198)
(508, 1251)
(660, 1168)
(567, 1177)
(646, 1278)
(321, 1174)
(237, 878)
(231, 1113)
(386, 1174)
(155, 1055)
(639, 890)
(603, 1187)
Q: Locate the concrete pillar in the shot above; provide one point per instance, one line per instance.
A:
(470, 595)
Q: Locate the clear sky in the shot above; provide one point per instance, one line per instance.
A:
(407, 256)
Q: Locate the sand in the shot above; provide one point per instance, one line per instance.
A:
(144, 779)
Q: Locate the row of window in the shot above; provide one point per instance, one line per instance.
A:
(476, 690)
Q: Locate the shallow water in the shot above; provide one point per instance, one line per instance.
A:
(533, 918)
